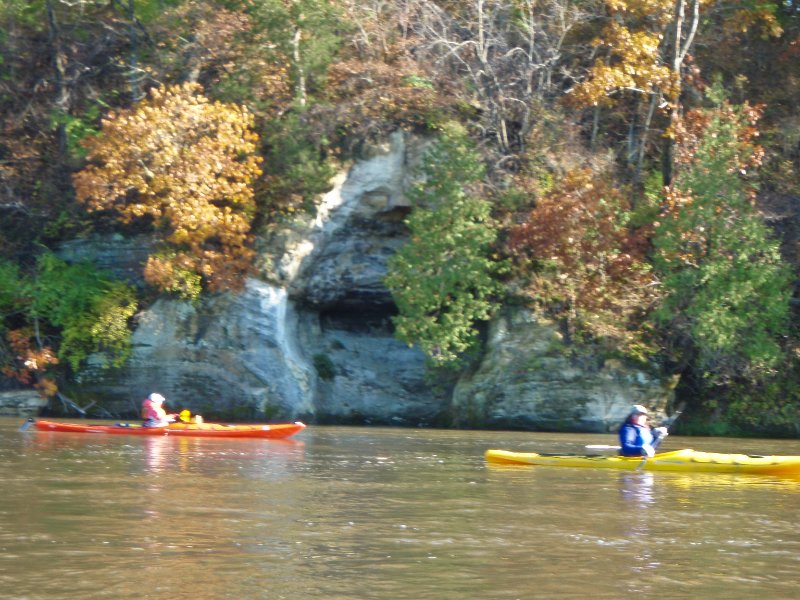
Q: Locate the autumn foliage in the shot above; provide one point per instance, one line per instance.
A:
(631, 63)
(27, 363)
(187, 165)
(648, 219)
(371, 95)
(581, 258)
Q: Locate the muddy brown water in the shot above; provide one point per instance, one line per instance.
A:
(345, 512)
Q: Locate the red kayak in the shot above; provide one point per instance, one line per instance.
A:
(275, 431)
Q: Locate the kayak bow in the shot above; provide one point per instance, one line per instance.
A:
(686, 460)
(271, 431)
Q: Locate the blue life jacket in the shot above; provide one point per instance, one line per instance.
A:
(634, 438)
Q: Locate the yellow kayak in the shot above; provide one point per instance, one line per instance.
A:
(679, 460)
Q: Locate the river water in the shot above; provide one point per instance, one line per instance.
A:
(353, 513)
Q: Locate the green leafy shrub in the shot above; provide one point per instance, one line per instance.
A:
(726, 301)
(443, 279)
(91, 310)
(62, 310)
(300, 167)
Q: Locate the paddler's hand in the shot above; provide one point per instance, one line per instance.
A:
(661, 432)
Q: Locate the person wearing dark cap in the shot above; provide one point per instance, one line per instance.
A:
(636, 437)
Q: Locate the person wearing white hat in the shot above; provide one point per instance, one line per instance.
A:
(636, 438)
(153, 411)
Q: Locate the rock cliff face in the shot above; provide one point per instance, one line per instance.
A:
(20, 403)
(529, 379)
(311, 338)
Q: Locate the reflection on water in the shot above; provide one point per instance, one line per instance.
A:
(637, 487)
(378, 513)
(154, 448)
(636, 490)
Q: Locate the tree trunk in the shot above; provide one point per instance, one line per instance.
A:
(62, 99)
(655, 99)
(134, 77)
(680, 47)
(301, 75)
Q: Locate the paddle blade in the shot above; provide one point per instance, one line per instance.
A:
(185, 416)
(26, 425)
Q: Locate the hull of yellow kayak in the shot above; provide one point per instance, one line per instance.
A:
(271, 431)
(679, 460)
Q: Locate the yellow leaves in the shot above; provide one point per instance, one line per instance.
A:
(187, 163)
(633, 63)
(759, 18)
(659, 11)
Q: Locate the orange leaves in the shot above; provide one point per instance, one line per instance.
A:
(187, 164)
(29, 363)
(584, 257)
(692, 244)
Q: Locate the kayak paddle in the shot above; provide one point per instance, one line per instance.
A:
(667, 424)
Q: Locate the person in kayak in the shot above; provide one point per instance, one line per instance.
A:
(636, 437)
(153, 411)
